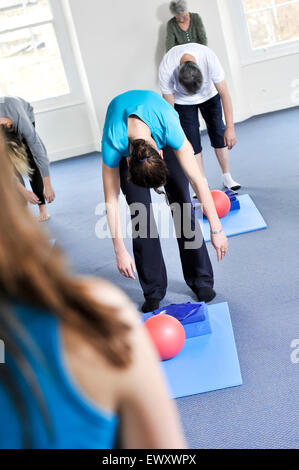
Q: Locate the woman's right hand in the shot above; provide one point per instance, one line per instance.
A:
(31, 197)
(125, 264)
(220, 243)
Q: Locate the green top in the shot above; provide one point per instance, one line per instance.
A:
(176, 36)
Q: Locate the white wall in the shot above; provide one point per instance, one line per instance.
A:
(66, 131)
(68, 125)
(270, 84)
(119, 46)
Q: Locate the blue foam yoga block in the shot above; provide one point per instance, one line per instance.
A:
(235, 205)
(247, 219)
(208, 362)
(194, 317)
(234, 202)
(198, 328)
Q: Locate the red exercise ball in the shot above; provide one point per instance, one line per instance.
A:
(167, 334)
(222, 203)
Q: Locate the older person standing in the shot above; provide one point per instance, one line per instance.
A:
(184, 27)
(191, 80)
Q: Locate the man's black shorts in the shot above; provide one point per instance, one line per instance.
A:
(211, 111)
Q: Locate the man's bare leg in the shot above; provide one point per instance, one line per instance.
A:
(223, 159)
(222, 155)
(199, 160)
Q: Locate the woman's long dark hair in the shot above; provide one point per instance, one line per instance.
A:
(33, 272)
(146, 167)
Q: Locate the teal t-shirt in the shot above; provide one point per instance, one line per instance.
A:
(76, 422)
(161, 118)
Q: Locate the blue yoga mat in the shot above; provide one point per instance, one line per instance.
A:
(208, 362)
(247, 219)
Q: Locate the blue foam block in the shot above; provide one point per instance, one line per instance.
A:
(247, 219)
(208, 362)
(185, 313)
(234, 202)
(235, 205)
(198, 328)
(197, 324)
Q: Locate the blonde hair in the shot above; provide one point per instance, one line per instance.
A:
(16, 151)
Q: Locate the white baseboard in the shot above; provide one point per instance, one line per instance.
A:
(74, 151)
(272, 107)
(264, 109)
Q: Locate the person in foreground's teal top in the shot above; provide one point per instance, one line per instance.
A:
(145, 129)
(76, 421)
(75, 350)
(151, 108)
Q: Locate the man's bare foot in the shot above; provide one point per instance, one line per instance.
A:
(43, 213)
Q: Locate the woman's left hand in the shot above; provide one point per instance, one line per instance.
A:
(220, 243)
(230, 138)
(49, 193)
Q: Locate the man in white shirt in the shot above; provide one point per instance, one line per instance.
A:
(191, 78)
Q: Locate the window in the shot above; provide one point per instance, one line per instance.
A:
(271, 22)
(31, 64)
(266, 29)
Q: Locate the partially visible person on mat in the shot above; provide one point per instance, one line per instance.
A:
(18, 124)
(184, 27)
(192, 79)
(80, 371)
(138, 125)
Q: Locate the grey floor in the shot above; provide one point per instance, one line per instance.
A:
(259, 279)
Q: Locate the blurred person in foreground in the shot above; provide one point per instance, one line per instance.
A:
(79, 368)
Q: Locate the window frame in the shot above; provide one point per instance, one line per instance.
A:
(75, 95)
(249, 55)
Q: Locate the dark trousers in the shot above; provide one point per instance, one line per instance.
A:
(196, 264)
(36, 181)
